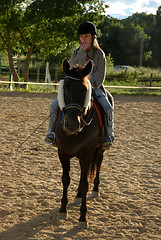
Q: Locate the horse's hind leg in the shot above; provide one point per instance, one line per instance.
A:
(65, 161)
(98, 159)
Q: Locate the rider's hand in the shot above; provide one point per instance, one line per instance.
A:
(84, 46)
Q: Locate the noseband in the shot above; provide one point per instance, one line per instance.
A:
(74, 105)
(82, 122)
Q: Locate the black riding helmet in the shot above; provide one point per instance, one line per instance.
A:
(87, 27)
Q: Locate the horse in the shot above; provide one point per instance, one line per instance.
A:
(78, 132)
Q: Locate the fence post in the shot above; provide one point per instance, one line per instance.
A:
(56, 74)
(125, 76)
(10, 86)
(47, 74)
(141, 50)
(0, 66)
(18, 65)
(151, 79)
(38, 72)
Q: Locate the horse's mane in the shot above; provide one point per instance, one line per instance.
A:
(85, 79)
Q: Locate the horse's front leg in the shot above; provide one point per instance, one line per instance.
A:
(83, 209)
(78, 197)
(83, 188)
(65, 161)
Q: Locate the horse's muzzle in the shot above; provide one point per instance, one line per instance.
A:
(71, 126)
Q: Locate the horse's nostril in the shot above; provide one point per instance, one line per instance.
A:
(71, 126)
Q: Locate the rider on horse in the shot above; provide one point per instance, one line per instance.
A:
(89, 49)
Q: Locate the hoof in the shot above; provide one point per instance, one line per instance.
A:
(77, 201)
(82, 225)
(63, 216)
(95, 194)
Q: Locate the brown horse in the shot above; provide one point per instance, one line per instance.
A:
(78, 133)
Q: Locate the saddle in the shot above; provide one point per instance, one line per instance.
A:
(99, 108)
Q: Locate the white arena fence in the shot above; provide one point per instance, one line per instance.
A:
(57, 84)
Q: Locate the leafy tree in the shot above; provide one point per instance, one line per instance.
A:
(152, 28)
(112, 43)
(155, 46)
(155, 32)
(42, 26)
(158, 17)
(122, 40)
(129, 43)
(144, 20)
(11, 14)
(105, 28)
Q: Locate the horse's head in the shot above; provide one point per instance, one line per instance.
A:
(74, 95)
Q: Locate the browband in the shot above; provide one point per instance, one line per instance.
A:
(72, 78)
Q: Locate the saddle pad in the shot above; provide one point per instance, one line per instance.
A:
(98, 113)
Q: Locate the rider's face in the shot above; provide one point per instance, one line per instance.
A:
(86, 41)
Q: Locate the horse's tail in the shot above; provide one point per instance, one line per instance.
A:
(92, 169)
(95, 163)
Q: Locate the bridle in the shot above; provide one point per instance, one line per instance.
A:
(83, 122)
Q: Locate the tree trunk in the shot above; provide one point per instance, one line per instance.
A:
(27, 62)
(10, 58)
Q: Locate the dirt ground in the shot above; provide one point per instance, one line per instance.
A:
(30, 189)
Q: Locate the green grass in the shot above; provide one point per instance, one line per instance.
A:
(31, 88)
(123, 91)
(120, 91)
(139, 74)
(40, 88)
(140, 77)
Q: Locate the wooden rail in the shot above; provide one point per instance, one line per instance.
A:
(57, 84)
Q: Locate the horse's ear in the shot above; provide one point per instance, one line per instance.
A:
(87, 69)
(66, 65)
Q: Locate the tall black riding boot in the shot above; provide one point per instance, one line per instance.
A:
(108, 132)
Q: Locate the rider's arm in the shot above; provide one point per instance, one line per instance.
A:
(97, 76)
(79, 57)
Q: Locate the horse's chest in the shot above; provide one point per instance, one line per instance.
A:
(72, 144)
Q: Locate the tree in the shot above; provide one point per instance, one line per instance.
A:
(158, 17)
(129, 42)
(11, 13)
(152, 28)
(42, 26)
(154, 31)
(144, 20)
(122, 39)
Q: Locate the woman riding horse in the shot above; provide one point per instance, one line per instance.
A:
(89, 49)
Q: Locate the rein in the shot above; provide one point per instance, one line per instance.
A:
(89, 115)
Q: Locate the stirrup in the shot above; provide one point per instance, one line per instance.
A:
(50, 138)
(106, 145)
(107, 142)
